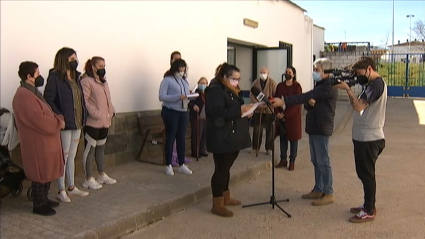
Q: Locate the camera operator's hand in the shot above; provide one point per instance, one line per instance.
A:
(342, 85)
(311, 102)
(276, 102)
(280, 115)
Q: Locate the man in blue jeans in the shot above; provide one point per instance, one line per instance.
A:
(320, 104)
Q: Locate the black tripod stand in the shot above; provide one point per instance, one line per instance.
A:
(273, 200)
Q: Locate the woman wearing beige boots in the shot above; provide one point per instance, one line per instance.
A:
(227, 133)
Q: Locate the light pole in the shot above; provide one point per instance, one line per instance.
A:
(410, 34)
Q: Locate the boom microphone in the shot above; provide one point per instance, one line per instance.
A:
(259, 95)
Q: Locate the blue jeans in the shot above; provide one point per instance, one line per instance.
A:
(293, 148)
(175, 123)
(319, 150)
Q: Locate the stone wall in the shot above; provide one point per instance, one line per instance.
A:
(123, 143)
(341, 59)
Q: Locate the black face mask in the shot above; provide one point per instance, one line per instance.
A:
(288, 77)
(39, 81)
(101, 73)
(362, 80)
(73, 65)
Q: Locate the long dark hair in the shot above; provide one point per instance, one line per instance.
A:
(293, 71)
(227, 70)
(175, 67)
(61, 63)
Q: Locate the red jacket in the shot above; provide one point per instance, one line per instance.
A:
(39, 134)
(292, 113)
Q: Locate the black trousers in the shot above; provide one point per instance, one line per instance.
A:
(39, 193)
(220, 179)
(257, 135)
(365, 155)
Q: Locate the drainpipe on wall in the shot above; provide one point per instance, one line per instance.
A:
(310, 21)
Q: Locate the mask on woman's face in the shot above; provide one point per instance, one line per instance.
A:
(288, 77)
(316, 76)
(234, 82)
(101, 72)
(181, 73)
(73, 65)
(202, 87)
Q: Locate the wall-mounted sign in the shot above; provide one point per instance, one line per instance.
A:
(250, 23)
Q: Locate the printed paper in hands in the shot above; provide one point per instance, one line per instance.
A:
(250, 111)
(192, 96)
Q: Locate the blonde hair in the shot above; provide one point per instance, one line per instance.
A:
(202, 78)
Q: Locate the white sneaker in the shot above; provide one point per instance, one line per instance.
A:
(169, 170)
(77, 192)
(63, 197)
(184, 169)
(105, 179)
(92, 184)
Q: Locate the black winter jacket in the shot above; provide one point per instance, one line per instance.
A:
(227, 132)
(58, 94)
(320, 117)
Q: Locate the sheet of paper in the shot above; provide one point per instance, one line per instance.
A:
(250, 111)
(194, 95)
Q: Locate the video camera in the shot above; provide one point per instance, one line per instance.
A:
(337, 75)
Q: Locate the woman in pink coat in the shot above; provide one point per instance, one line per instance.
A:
(99, 106)
(39, 134)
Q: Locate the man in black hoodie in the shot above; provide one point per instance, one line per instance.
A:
(320, 104)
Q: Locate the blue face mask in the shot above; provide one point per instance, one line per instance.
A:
(202, 87)
(316, 76)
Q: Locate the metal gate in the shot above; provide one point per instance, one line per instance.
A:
(403, 73)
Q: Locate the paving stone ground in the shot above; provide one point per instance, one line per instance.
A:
(143, 195)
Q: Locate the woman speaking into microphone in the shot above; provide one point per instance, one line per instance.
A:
(227, 133)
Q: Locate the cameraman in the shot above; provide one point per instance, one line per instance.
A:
(320, 104)
(368, 133)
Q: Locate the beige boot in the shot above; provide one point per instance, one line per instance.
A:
(228, 201)
(219, 209)
(312, 195)
(324, 200)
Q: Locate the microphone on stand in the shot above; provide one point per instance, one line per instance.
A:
(260, 95)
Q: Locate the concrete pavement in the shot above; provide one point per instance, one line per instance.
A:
(143, 195)
(400, 193)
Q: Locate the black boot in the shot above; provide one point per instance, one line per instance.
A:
(44, 210)
(52, 203)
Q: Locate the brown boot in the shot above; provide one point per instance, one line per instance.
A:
(228, 201)
(282, 164)
(291, 166)
(219, 209)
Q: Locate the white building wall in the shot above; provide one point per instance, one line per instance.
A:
(318, 40)
(137, 37)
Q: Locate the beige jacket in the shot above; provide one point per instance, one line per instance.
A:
(98, 102)
(269, 91)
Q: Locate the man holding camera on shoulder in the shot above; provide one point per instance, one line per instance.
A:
(368, 135)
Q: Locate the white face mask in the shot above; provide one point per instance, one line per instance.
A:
(181, 73)
(234, 83)
(263, 76)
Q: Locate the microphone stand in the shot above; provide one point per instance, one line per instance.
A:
(273, 200)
